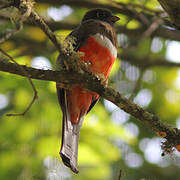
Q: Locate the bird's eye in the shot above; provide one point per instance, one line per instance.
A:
(101, 14)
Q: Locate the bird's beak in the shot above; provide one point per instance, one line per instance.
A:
(114, 18)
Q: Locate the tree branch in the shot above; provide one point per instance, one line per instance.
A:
(40, 22)
(146, 62)
(90, 82)
(173, 9)
(162, 31)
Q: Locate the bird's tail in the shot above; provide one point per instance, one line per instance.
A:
(70, 139)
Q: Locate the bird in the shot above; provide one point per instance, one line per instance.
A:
(96, 40)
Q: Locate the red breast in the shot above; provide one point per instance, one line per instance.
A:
(100, 53)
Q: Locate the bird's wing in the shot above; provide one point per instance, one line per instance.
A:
(79, 36)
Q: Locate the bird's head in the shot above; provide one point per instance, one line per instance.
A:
(101, 14)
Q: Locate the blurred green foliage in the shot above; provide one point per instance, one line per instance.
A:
(110, 139)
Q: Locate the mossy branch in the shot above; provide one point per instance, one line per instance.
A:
(92, 83)
(172, 7)
(172, 135)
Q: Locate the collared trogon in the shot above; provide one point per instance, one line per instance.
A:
(96, 39)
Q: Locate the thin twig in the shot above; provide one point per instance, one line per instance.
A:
(151, 28)
(142, 6)
(10, 33)
(30, 81)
